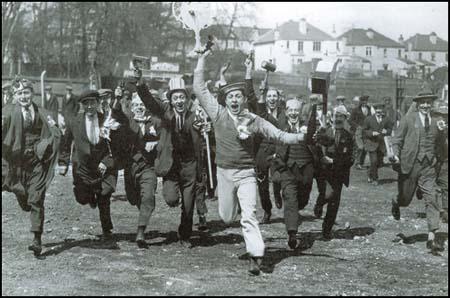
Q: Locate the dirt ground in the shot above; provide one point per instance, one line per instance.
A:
(365, 258)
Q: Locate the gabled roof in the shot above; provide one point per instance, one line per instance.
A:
(407, 61)
(421, 42)
(291, 31)
(359, 37)
(425, 62)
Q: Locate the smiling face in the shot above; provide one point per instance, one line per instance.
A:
(178, 101)
(424, 106)
(24, 97)
(137, 106)
(90, 106)
(272, 99)
(293, 108)
(234, 101)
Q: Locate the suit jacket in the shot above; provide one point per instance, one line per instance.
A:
(87, 157)
(372, 143)
(164, 156)
(357, 117)
(52, 106)
(405, 142)
(341, 153)
(70, 106)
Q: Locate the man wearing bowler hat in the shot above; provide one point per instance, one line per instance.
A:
(375, 128)
(93, 164)
(417, 145)
(235, 129)
(357, 117)
(30, 142)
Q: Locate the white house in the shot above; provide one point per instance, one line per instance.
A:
(293, 43)
(382, 52)
(428, 51)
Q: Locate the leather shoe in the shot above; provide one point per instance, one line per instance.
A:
(266, 218)
(255, 264)
(279, 201)
(35, 247)
(202, 226)
(292, 241)
(434, 246)
(326, 234)
(107, 235)
(318, 210)
(395, 211)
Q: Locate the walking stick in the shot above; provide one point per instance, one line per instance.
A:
(42, 87)
(208, 153)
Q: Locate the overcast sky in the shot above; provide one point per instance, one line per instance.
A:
(388, 18)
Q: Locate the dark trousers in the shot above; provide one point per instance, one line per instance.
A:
(263, 189)
(200, 195)
(296, 184)
(376, 159)
(85, 194)
(33, 196)
(140, 187)
(442, 184)
(422, 176)
(321, 186)
(360, 156)
(332, 200)
(181, 179)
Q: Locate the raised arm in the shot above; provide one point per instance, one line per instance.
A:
(269, 131)
(207, 101)
(154, 106)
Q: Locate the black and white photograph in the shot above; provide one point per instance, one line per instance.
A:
(224, 148)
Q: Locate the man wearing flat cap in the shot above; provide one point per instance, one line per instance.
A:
(235, 129)
(70, 104)
(178, 151)
(357, 117)
(93, 164)
(337, 161)
(30, 142)
(375, 128)
(417, 145)
(51, 102)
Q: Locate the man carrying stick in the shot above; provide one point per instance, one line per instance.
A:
(235, 128)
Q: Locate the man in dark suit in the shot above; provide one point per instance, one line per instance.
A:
(178, 150)
(70, 104)
(357, 117)
(51, 102)
(375, 128)
(30, 142)
(337, 162)
(417, 145)
(93, 166)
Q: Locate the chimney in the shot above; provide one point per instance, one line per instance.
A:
(302, 26)
(369, 33)
(433, 38)
(400, 39)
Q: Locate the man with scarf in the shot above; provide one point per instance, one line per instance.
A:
(30, 142)
(235, 129)
(94, 168)
(337, 161)
(269, 109)
(178, 150)
(418, 144)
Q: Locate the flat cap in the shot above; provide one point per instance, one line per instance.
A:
(88, 94)
(104, 92)
(342, 110)
(378, 105)
(340, 98)
(232, 87)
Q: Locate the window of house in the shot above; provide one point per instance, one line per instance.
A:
(299, 61)
(385, 53)
(316, 46)
(287, 44)
(300, 46)
(420, 56)
(433, 57)
(337, 46)
(399, 53)
(368, 51)
(353, 50)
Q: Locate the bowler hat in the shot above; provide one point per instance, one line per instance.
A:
(88, 94)
(425, 95)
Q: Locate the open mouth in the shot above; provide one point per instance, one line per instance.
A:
(234, 107)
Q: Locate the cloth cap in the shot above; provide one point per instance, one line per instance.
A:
(68, 87)
(341, 110)
(378, 106)
(104, 92)
(88, 94)
(22, 84)
(340, 98)
(48, 87)
(232, 87)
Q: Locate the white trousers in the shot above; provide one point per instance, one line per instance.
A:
(239, 187)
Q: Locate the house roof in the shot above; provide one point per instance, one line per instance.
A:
(425, 62)
(359, 37)
(421, 42)
(407, 61)
(291, 31)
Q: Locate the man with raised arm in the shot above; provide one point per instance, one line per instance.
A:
(235, 129)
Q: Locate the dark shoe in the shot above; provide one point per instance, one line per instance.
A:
(279, 201)
(266, 218)
(434, 246)
(140, 238)
(36, 247)
(326, 234)
(107, 235)
(255, 264)
(292, 241)
(318, 210)
(395, 211)
(202, 226)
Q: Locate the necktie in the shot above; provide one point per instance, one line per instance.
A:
(337, 137)
(179, 122)
(427, 123)
(27, 118)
